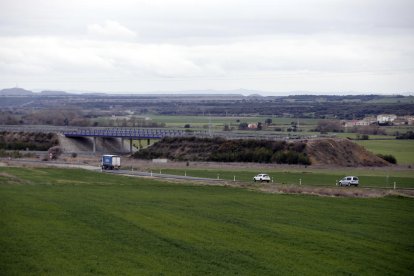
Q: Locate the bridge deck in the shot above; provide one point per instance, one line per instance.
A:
(131, 133)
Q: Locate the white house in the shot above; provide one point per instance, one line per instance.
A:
(386, 118)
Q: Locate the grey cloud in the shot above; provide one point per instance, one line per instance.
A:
(209, 44)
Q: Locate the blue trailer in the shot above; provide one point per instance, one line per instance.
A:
(110, 162)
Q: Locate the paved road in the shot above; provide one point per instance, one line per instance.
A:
(164, 176)
(4, 161)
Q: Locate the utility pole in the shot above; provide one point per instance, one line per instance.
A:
(209, 125)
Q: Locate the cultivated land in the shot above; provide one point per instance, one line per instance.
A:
(61, 221)
(305, 177)
(403, 150)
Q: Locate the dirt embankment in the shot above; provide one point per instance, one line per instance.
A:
(341, 152)
(336, 152)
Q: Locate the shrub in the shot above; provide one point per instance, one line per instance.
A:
(407, 135)
(388, 157)
(55, 152)
(243, 126)
(362, 137)
(329, 126)
(222, 150)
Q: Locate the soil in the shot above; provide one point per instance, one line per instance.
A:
(341, 152)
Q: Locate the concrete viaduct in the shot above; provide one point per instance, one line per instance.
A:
(130, 134)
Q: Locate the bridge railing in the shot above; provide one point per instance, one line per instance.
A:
(132, 133)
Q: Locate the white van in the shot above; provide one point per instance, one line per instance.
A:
(349, 181)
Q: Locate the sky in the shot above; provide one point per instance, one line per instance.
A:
(141, 46)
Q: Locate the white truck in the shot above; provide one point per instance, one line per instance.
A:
(110, 162)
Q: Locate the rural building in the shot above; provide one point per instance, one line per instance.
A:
(409, 120)
(386, 118)
(370, 120)
(252, 126)
(399, 121)
(364, 122)
(350, 123)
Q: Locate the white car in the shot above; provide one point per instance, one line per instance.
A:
(349, 181)
(261, 177)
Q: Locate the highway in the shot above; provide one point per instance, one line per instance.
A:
(6, 161)
(161, 175)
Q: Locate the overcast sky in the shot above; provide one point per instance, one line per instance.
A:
(325, 46)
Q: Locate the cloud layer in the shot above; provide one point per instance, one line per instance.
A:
(326, 46)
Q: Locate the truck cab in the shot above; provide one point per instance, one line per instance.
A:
(110, 162)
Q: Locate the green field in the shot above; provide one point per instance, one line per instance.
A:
(403, 150)
(384, 179)
(356, 135)
(75, 222)
(226, 119)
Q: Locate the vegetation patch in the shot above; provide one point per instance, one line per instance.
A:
(222, 150)
(407, 135)
(388, 157)
(402, 150)
(340, 152)
(27, 140)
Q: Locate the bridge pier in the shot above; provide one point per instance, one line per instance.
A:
(125, 133)
(94, 144)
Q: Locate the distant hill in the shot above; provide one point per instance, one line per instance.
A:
(53, 93)
(15, 92)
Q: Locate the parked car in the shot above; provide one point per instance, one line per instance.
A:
(261, 177)
(349, 181)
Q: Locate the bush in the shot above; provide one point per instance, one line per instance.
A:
(407, 135)
(222, 150)
(290, 157)
(362, 137)
(12, 154)
(243, 126)
(388, 157)
(374, 130)
(55, 152)
(329, 126)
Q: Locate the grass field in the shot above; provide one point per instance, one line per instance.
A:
(75, 222)
(403, 150)
(226, 119)
(307, 177)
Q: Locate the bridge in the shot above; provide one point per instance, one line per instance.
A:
(130, 134)
(148, 133)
